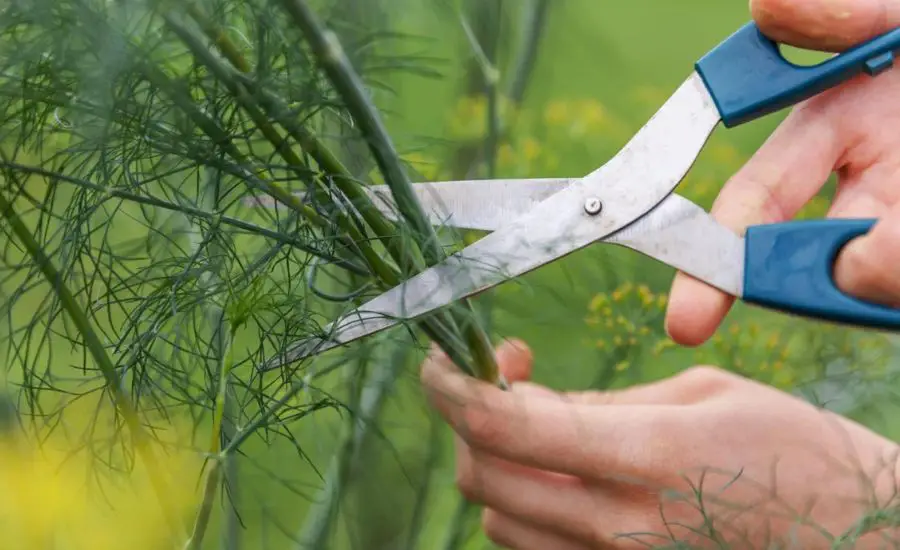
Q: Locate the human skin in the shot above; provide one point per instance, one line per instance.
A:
(581, 470)
(584, 470)
(850, 130)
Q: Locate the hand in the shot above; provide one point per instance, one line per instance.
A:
(851, 129)
(586, 470)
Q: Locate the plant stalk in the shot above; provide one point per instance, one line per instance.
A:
(327, 160)
(332, 60)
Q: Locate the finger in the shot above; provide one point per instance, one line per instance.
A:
(779, 179)
(512, 533)
(559, 503)
(550, 434)
(515, 360)
(830, 25)
(864, 268)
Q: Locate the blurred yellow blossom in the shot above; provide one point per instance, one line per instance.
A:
(55, 495)
(556, 113)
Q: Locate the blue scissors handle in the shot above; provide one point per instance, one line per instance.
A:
(748, 76)
(789, 267)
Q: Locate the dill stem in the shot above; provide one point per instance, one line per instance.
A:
(275, 108)
(95, 348)
(332, 60)
(278, 141)
(219, 412)
(381, 381)
(210, 128)
(214, 476)
(535, 25)
(201, 524)
(308, 141)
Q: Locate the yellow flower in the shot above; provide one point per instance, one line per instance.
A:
(597, 302)
(531, 149)
(592, 113)
(45, 495)
(617, 340)
(622, 365)
(556, 113)
(506, 155)
(753, 330)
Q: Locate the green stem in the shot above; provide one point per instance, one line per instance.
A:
(215, 473)
(205, 57)
(210, 128)
(332, 60)
(318, 524)
(95, 347)
(182, 99)
(276, 109)
(535, 25)
(308, 141)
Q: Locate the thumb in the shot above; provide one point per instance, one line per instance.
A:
(830, 25)
(864, 268)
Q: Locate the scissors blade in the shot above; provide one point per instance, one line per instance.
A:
(474, 204)
(464, 204)
(637, 179)
(670, 233)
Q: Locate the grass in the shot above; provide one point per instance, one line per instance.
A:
(622, 58)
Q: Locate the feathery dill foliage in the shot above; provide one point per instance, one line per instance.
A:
(133, 133)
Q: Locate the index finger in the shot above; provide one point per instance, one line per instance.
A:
(783, 175)
(549, 433)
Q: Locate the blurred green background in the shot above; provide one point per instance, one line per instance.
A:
(593, 320)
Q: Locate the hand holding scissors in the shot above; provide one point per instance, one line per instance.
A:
(629, 201)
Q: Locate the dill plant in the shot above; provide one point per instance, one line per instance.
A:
(138, 138)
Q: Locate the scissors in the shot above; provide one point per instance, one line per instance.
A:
(630, 201)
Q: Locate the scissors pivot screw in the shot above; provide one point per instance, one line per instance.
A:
(593, 206)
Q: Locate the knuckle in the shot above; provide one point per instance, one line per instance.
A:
(707, 377)
(481, 428)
